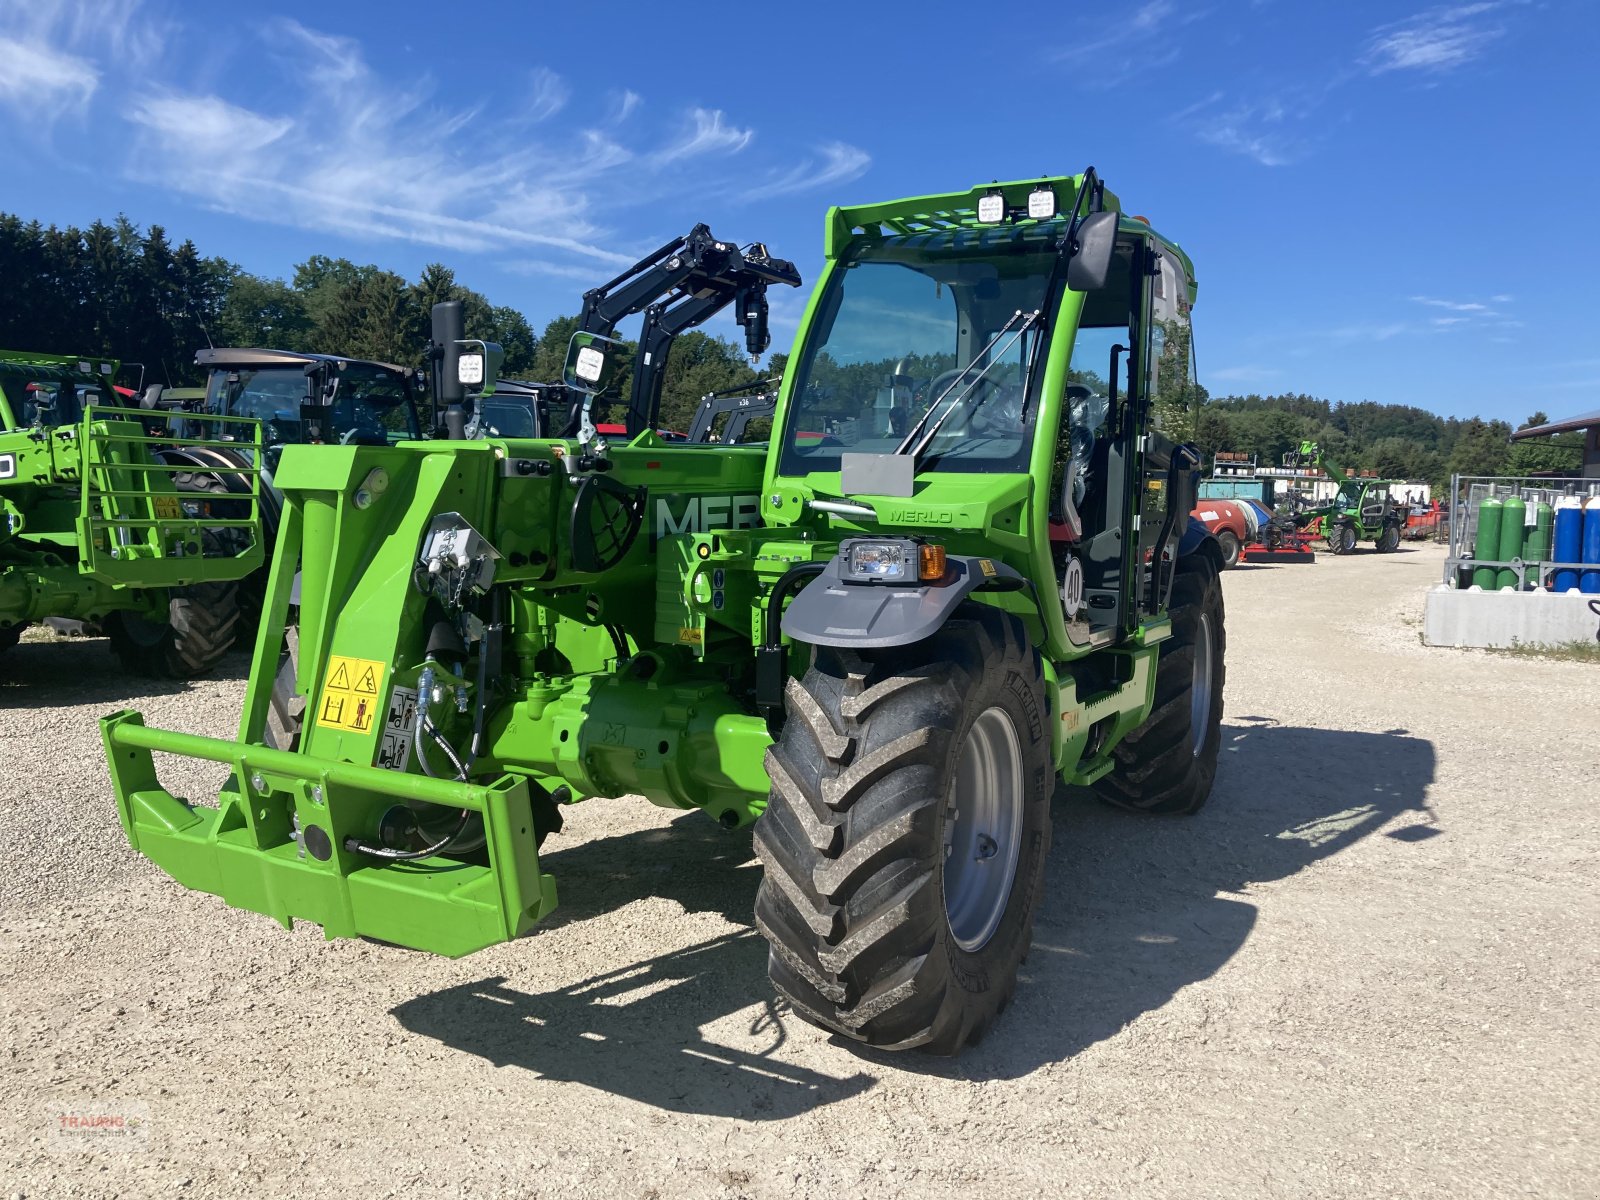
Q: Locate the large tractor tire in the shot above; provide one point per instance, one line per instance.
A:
(1228, 542)
(1389, 540)
(202, 619)
(286, 712)
(199, 631)
(1341, 539)
(1167, 765)
(905, 837)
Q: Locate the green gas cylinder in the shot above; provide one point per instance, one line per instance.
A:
(1512, 515)
(1538, 547)
(1487, 544)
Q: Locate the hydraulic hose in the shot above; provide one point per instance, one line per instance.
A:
(488, 649)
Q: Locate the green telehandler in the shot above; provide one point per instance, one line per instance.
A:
(102, 522)
(882, 639)
(1361, 511)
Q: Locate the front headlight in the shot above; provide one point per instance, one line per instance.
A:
(890, 560)
(879, 561)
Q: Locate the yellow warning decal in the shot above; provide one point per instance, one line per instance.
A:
(168, 508)
(987, 567)
(350, 693)
(691, 637)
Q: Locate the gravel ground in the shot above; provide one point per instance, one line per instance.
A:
(1367, 969)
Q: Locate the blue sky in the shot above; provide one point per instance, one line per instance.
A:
(1384, 201)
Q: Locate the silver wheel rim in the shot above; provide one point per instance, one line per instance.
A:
(1200, 688)
(983, 834)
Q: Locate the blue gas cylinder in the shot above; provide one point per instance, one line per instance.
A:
(1568, 542)
(1591, 546)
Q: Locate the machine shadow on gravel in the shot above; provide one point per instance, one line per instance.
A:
(61, 671)
(636, 1031)
(1131, 915)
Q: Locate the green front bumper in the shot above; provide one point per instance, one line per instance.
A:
(259, 848)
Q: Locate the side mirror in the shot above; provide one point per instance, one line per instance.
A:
(592, 362)
(1091, 259)
(478, 366)
(151, 396)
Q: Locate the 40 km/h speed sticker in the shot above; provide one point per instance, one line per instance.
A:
(350, 693)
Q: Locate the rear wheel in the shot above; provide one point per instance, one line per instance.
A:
(202, 619)
(198, 633)
(905, 837)
(1229, 542)
(1168, 764)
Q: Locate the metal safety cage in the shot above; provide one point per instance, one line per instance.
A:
(1523, 571)
(137, 528)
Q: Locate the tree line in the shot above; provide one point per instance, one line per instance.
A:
(1398, 441)
(114, 290)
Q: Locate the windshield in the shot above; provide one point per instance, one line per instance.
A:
(370, 404)
(913, 322)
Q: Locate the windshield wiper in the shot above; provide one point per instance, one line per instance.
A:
(1022, 321)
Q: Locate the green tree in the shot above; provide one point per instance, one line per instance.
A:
(373, 317)
(1539, 456)
(1481, 448)
(263, 312)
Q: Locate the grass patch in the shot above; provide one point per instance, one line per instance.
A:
(1571, 652)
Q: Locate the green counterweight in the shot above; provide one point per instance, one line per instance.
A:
(1486, 547)
(1512, 515)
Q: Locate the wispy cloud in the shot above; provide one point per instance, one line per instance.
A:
(1276, 124)
(1464, 306)
(1437, 40)
(362, 150)
(1262, 131)
(837, 162)
(709, 132)
(547, 95)
(1124, 45)
(49, 47)
(206, 125)
(40, 82)
(1475, 315)
(366, 157)
(540, 266)
(626, 103)
(1461, 316)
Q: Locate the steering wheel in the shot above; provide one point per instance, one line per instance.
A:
(984, 387)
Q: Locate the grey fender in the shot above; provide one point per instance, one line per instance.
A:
(831, 612)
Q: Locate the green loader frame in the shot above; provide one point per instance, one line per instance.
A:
(961, 572)
(98, 524)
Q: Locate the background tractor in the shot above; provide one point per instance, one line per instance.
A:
(882, 639)
(296, 398)
(1362, 511)
(98, 528)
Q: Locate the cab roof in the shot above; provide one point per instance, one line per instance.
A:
(234, 356)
